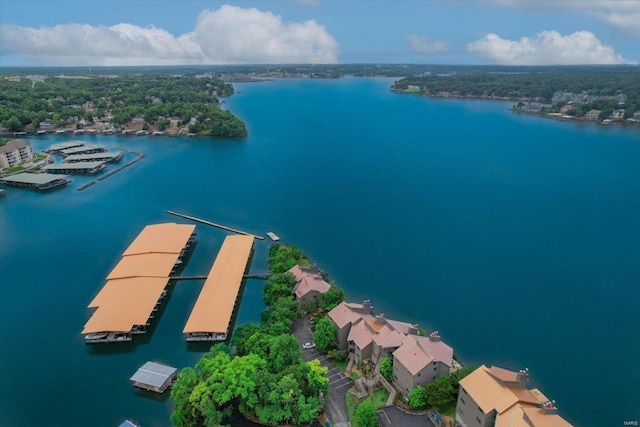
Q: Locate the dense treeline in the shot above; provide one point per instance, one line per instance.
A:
(530, 82)
(265, 378)
(24, 104)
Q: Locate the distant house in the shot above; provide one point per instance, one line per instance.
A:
(15, 152)
(138, 120)
(566, 109)
(636, 115)
(369, 338)
(497, 397)
(309, 286)
(617, 115)
(47, 124)
(592, 115)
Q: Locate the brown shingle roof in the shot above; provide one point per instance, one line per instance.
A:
(308, 281)
(342, 314)
(13, 145)
(487, 392)
(412, 356)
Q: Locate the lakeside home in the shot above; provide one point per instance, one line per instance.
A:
(309, 286)
(497, 397)
(16, 152)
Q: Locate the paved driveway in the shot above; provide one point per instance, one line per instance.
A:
(339, 383)
(391, 416)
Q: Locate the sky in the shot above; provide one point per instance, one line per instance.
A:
(177, 32)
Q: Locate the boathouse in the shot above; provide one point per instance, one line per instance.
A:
(83, 149)
(77, 168)
(55, 148)
(95, 157)
(35, 181)
(138, 284)
(211, 316)
(154, 376)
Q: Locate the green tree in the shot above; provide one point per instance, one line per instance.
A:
(366, 414)
(13, 124)
(418, 398)
(240, 336)
(278, 285)
(324, 335)
(440, 392)
(332, 298)
(386, 368)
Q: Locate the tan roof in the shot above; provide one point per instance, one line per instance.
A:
(504, 375)
(124, 303)
(440, 351)
(388, 338)
(360, 335)
(308, 281)
(411, 356)
(343, 315)
(487, 392)
(537, 418)
(214, 307)
(144, 265)
(168, 238)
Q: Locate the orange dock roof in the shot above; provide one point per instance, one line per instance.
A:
(144, 265)
(161, 238)
(124, 303)
(214, 307)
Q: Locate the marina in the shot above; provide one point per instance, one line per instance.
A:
(56, 148)
(138, 284)
(84, 168)
(210, 319)
(95, 157)
(35, 181)
(213, 224)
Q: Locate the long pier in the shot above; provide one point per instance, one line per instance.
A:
(213, 224)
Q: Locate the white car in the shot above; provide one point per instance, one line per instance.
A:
(308, 345)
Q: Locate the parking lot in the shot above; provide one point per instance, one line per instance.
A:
(339, 383)
(391, 416)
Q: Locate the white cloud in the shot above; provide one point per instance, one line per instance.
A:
(228, 35)
(421, 44)
(547, 48)
(620, 14)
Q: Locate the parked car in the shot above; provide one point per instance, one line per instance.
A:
(308, 345)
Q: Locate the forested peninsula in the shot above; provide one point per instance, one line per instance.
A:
(591, 93)
(175, 104)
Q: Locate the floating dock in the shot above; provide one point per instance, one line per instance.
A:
(35, 181)
(137, 285)
(84, 168)
(154, 376)
(95, 157)
(55, 148)
(273, 236)
(83, 149)
(213, 224)
(210, 319)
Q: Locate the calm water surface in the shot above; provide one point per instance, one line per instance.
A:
(516, 237)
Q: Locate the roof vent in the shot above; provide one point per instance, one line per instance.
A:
(434, 336)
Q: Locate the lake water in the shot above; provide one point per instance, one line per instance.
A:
(516, 237)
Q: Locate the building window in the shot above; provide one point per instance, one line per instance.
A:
(461, 411)
(465, 391)
(478, 420)
(420, 373)
(435, 368)
(463, 402)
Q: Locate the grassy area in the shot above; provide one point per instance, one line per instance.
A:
(41, 156)
(14, 169)
(379, 398)
(342, 364)
(413, 90)
(3, 141)
(449, 411)
(354, 375)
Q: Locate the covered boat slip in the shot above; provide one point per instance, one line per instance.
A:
(154, 376)
(211, 315)
(83, 149)
(96, 157)
(138, 283)
(35, 181)
(63, 146)
(81, 167)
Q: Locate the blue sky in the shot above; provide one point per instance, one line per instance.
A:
(164, 32)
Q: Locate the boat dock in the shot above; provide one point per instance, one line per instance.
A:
(82, 149)
(210, 319)
(55, 148)
(84, 168)
(213, 224)
(153, 376)
(138, 284)
(95, 157)
(273, 236)
(35, 181)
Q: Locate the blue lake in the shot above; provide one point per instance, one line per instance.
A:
(516, 237)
